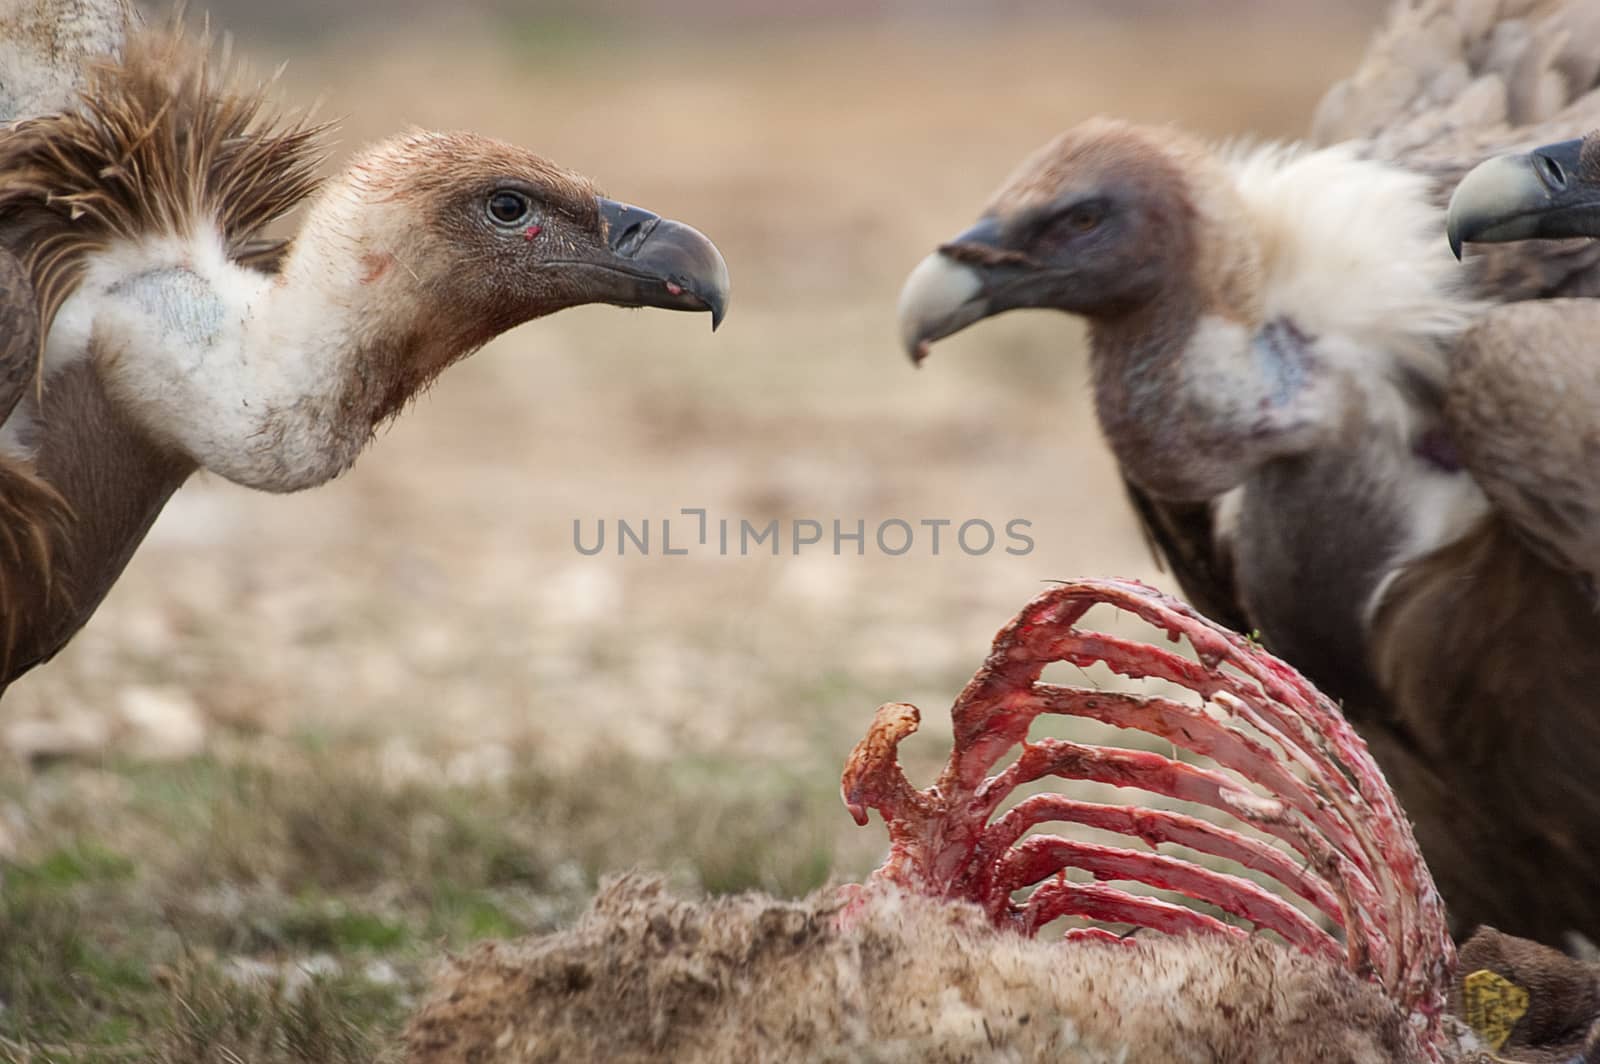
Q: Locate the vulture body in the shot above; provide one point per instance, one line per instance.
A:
(147, 331)
(1338, 437)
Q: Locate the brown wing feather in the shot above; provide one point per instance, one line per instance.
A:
(160, 144)
(1489, 656)
(1456, 79)
(35, 522)
(19, 332)
(33, 515)
(46, 42)
(1523, 404)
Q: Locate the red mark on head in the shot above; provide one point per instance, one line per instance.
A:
(676, 290)
(374, 266)
(532, 231)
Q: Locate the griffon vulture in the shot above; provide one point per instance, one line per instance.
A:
(1278, 362)
(146, 331)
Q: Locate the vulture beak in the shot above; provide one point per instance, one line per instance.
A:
(650, 261)
(1518, 197)
(949, 290)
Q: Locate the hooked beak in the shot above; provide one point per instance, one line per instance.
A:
(948, 290)
(1541, 194)
(650, 261)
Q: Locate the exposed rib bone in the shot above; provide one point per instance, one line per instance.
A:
(1157, 826)
(1261, 724)
(1097, 901)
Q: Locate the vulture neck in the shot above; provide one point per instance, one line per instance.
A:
(274, 382)
(1173, 372)
(1148, 341)
(1280, 328)
(1188, 396)
(1135, 365)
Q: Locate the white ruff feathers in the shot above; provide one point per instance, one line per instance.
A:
(239, 372)
(1353, 252)
(1353, 248)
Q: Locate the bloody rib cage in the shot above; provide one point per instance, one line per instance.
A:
(1326, 825)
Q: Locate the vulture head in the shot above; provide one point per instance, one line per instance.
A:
(1550, 192)
(424, 248)
(1144, 233)
(149, 328)
(427, 246)
(458, 237)
(1108, 221)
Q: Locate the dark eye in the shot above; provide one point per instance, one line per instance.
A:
(508, 207)
(1085, 217)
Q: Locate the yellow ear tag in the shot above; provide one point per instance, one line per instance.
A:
(1493, 1005)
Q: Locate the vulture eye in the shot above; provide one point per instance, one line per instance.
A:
(1085, 217)
(508, 208)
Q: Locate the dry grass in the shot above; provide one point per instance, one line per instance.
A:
(426, 718)
(285, 903)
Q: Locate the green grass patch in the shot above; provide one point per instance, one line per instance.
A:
(331, 926)
(61, 982)
(468, 915)
(84, 862)
(149, 901)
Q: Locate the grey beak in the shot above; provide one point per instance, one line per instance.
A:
(1541, 194)
(944, 295)
(666, 263)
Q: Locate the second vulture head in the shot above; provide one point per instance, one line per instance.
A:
(1549, 192)
(1105, 221)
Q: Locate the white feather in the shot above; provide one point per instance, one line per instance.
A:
(1355, 249)
(1353, 253)
(238, 371)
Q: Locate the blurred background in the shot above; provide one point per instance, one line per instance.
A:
(406, 700)
(300, 21)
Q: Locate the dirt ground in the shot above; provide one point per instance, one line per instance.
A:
(426, 622)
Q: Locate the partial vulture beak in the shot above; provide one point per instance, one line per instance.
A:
(1542, 194)
(943, 295)
(656, 262)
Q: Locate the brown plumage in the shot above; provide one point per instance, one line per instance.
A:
(1332, 436)
(147, 330)
(33, 516)
(120, 168)
(160, 144)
